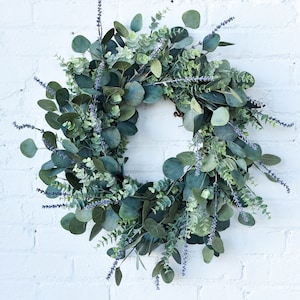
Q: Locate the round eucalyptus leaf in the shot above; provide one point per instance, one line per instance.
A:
(153, 93)
(173, 168)
(127, 128)
(220, 116)
(61, 159)
(52, 191)
(191, 19)
(83, 214)
(121, 29)
(178, 33)
(225, 132)
(134, 93)
(236, 97)
(76, 226)
(217, 244)
(246, 219)
(183, 43)
(28, 148)
(52, 86)
(111, 136)
(46, 176)
(209, 163)
(49, 139)
(110, 164)
(211, 42)
(52, 120)
(253, 153)
(73, 180)
(98, 215)
(213, 97)
(62, 96)
(236, 149)
(126, 112)
(187, 158)
(189, 119)
(66, 220)
(69, 146)
(167, 275)
(129, 209)
(136, 23)
(47, 105)
(84, 81)
(80, 44)
(111, 220)
(225, 213)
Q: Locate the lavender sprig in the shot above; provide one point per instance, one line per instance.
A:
(157, 282)
(215, 216)
(47, 193)
(275, 177)
(45, 86)
(243, 137)
(98, 21)
(55, 206)
(222, 24)
(158, 49)
(184, 259)
(115, 264)
(22, 126)
(256, 102)
(238, 203)
(281, 123)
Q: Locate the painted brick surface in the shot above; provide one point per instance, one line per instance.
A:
(40, 261)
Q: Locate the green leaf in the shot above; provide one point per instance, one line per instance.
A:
(236, 149)
(154, 228)
(207, 254)
(246, 219)
(225, 133)
(136, 23)
(156, 67)
(176, 256)
(253, 154)
(187, 158)
(98, 215)
(225, 213)
(84, 81)
(209, 163)
(189, 119)
(108, 36)
(47, 105)
(66, 220)
(211, 42)
(236, 97)
(80, 44)
(53, 85)
(46, 176)
(95, 230)
(110, 164)
(126, 112)
(127, 128)
(52, 191)
(111, 136)
(238, 178)
(68, 116)
(191, 19)
(178, 33)
(122, 66)
(134, 93)
(28, 148)
(76, 226)
(118, 276)
(157, 269)
(173, 168)
(69, 146)
(60, 159)
(213, 97)
(183, 43)
(121, 29)
(153, 93)
(111, 220)
(52, 120)
(217, 244)
(270, 159)
(62, 97)
(242, 164)
(99, 165)
(83, 214)
(129, 209)
(49, 139)
(220, 116)
(167, 275)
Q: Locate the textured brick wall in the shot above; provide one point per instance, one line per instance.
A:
(39, 260)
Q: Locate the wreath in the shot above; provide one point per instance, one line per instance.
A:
(93, 118)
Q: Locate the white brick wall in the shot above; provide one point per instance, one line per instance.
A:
(39, 260)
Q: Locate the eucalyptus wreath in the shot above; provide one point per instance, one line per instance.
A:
(92, 118)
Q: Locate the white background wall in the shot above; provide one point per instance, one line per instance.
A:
(39, 260)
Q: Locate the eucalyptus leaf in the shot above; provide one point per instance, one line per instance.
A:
(173, 168)
(66, 220)
(270, 159)
(80, 44)
(134, 93)
(28, 148)
(154, 228)
(211, 42)
(191, 19)
(167, 275)
(153, 93)
(207, 254)
(217, 244)
(156, 67)
(98, 215)
(76, 226)
(136, 23)
(246, 218)
(220, 116)
(95, 231)
(121, 29)
(118, 276)
(111, 136)
(111, 220)
(47, 105)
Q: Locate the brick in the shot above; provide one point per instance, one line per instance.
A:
(221, 291)
(251, 265)
(18, 290)
(273, 292)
